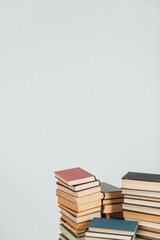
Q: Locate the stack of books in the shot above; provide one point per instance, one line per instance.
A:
(80, 200)
(112, 202)
(142, 202)
(102, 228)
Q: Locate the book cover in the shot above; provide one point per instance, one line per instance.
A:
(74, 176)
(106, 187)
(113, 224)
(142, 177)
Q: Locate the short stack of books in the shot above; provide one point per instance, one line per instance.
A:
(80, 200)
(102, 228)
(142, 202)
(112, 202)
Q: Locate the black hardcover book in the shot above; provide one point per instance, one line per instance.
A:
(110, 191)
(106, 188)
(149, 177)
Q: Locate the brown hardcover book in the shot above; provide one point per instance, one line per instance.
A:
(111, 208)
(141, 216)
(116, 215)
(82, 193)
(80, 200)
(113, 200)
(79, 214)
(79, 208)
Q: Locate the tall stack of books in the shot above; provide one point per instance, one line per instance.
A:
(102, 228)
(142, 202)
(80, 199)
(112, 202)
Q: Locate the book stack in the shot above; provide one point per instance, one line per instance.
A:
(142, 202)
(102, 228)
(112, 202)
(80, 199)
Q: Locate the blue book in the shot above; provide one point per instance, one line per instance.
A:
(113, 226)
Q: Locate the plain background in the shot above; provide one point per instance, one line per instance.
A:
(79, 86)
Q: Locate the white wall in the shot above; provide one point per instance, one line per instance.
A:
(79, 86)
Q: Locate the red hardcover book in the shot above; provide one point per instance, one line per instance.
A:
(74, 176)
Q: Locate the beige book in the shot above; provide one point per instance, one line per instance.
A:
(142, 203)
(79, 214)
(143, 198)
(93, 238)
(80, 186)
(81, 200)
(79, 193)
(79, 208)
(110, 195)
(141, 193)
(82, 225)
(107, 236)
(141, 185)
(83, 218)
(141, 209)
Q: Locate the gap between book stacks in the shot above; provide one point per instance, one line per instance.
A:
(94, 210)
